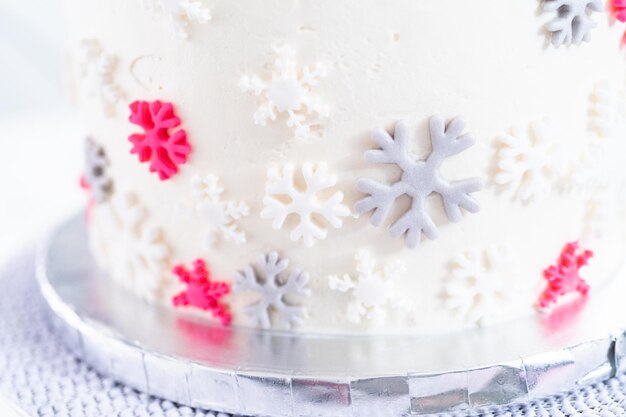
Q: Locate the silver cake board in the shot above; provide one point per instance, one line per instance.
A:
(193, 362)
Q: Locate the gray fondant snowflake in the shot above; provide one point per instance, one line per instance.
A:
(96, 164)
(420, 179)
(275, 304)
(572, 23)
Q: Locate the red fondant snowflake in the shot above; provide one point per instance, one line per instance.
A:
(619, 10)
(163, 148)
(564, 277)
(91, 202)
(201, 292)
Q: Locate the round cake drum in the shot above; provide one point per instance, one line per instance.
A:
(193, 362)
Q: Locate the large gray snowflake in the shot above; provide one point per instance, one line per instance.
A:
(275, 301)
(419, 180)
(95, 175)
(572, 23)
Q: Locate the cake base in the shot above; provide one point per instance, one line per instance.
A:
(194, 362)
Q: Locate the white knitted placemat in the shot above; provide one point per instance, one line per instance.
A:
(40, 376)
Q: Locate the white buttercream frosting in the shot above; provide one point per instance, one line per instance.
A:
(290, 83)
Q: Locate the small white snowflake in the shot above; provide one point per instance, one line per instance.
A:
(586, 171)
(98, 69)
(600, 216)
(525, 162)
(181, 13)
(276, 301)
(283, 198)
(372, 289)
(476, 288)
(220, 216)
(572, 23)
(288, 91)
(140, 255)
(600, 165)
(602, 109)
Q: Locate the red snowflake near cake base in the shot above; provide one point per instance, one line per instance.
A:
(201, 292)
(564, 278)
(619, 10)
(160, 145)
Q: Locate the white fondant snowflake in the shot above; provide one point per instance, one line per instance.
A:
(600, 216)
(181, 13)
(288, 91)
(601, 164)
(525, 162)
(572, 23)
(372, 289)
(420, 179)
(283, 198)
(103, 227)
(140, 255)
(602, 109)
(220, 216)
(277, 297)
(98, 69)
(586, 171)
(476, 288)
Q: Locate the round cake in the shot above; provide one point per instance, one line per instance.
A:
(354, 166)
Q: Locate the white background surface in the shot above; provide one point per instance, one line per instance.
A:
(40, 153)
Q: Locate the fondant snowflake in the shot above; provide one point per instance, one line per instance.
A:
(277, 303)
(619, 10)
(288, 91)
(220, 216)
(181, 13)
(140, 253)
(525, 163)
(602, 109)
(91, 203)
(372, 289)
(283, 198)
(160, 145)
(564, 277)
(95, 176)
(572, 23)
(600, 165)
(600, 216)
(98, 68)
(476, 288)
(420, 179)
(202, 292)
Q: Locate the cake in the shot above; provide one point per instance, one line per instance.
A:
(354, 167)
